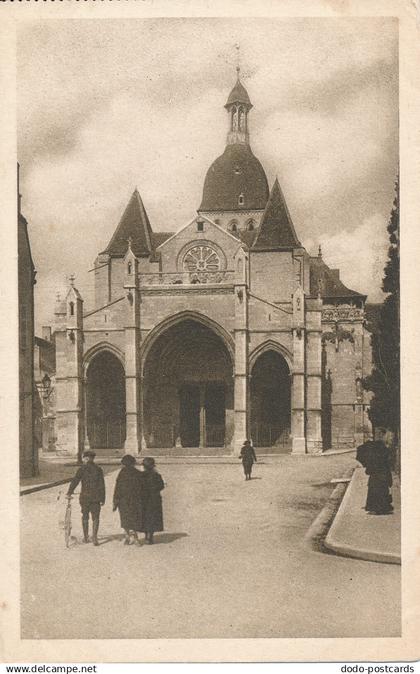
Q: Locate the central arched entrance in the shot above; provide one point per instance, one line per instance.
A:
(105, 402)
(188, 389)
(270, 401)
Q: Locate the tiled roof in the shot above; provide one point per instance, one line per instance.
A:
(160, 237)
(247, 237)
(134, 224)
(236, 173)
(238, 95)
(327, 281)
(276, 229)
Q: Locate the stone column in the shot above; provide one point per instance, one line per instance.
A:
(241, 397)
(298, 373)
(203, 439)
(69, 377)
(313, 376)
(132, 355)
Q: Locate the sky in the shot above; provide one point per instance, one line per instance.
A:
(105, 106)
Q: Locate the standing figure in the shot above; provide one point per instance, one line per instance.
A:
(375, 457)
(92, 494)
(127, 498)
(151, 499)
(248, 457)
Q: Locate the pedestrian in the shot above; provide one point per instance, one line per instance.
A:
(151, 499)
(92, 493)
(375, 457)
(248, 457)
(127, 498)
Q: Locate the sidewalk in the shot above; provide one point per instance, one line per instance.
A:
(355, 533)
(51, 474)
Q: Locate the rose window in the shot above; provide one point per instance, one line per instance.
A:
(201, 258)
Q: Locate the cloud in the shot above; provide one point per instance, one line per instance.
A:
(367, 245)
(105, 106)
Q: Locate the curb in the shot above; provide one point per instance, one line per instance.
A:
(317, 532)
(44, 485)
(340, 548)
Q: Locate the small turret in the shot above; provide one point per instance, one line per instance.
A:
(238, 105)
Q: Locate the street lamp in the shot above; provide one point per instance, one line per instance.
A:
(45, 386)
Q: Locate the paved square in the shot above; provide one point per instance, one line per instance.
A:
(231, 563)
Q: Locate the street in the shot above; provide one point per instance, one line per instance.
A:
(231, 563)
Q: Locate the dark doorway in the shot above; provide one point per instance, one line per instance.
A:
(270, 401)
(215, 412)
(188, 389)
(189, 412)
(105, 401)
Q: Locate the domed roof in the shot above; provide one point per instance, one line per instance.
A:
(235, 181)
(238, 95)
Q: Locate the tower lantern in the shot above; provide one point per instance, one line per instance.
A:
(238, 105)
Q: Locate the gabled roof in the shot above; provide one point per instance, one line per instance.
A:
(238, 95)
(133, 225)
(327, 281)
(276, 230)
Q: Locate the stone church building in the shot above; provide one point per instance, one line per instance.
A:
(225, 330)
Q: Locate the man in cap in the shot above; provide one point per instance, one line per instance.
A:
(92, 494)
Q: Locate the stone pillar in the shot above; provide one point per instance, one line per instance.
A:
(203, 439)
(69, 377)
(298, 373)
(133, 440)
(241, 384)
(313, 376)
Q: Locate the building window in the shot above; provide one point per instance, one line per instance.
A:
(200, 226)
(129, 268)
(71, 305)
(241, 200)
(233, 226)
(250, 225)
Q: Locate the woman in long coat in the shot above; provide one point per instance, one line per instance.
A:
(374, 456)
(128, 499)
(248, 457)
(151, 499)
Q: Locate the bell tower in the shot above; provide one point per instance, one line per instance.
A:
(238, 106)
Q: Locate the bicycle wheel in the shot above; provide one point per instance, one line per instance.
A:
(67, 525)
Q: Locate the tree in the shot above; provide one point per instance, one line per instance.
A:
(384, 381)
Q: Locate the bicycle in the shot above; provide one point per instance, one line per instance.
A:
(67, 522)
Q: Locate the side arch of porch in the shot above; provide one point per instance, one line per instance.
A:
(270, 395)
(104, 396)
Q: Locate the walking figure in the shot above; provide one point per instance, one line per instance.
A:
(151, 499)
(375, 457)
(92, 494)
(127, 498)
(248, 457)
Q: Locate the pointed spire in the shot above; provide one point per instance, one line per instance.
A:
(134, 226)
(238, 94)
(276, 229)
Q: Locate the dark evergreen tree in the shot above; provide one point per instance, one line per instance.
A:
(384, 381)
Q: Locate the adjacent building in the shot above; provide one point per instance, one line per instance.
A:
(28, 452)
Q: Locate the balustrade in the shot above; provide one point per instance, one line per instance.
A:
(187, 278)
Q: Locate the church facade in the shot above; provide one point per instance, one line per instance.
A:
(225, 330)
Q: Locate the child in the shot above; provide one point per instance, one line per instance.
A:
(248, 457)
(151, 499)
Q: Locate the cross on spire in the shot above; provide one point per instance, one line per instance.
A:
(130, 242)
(238, 53)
